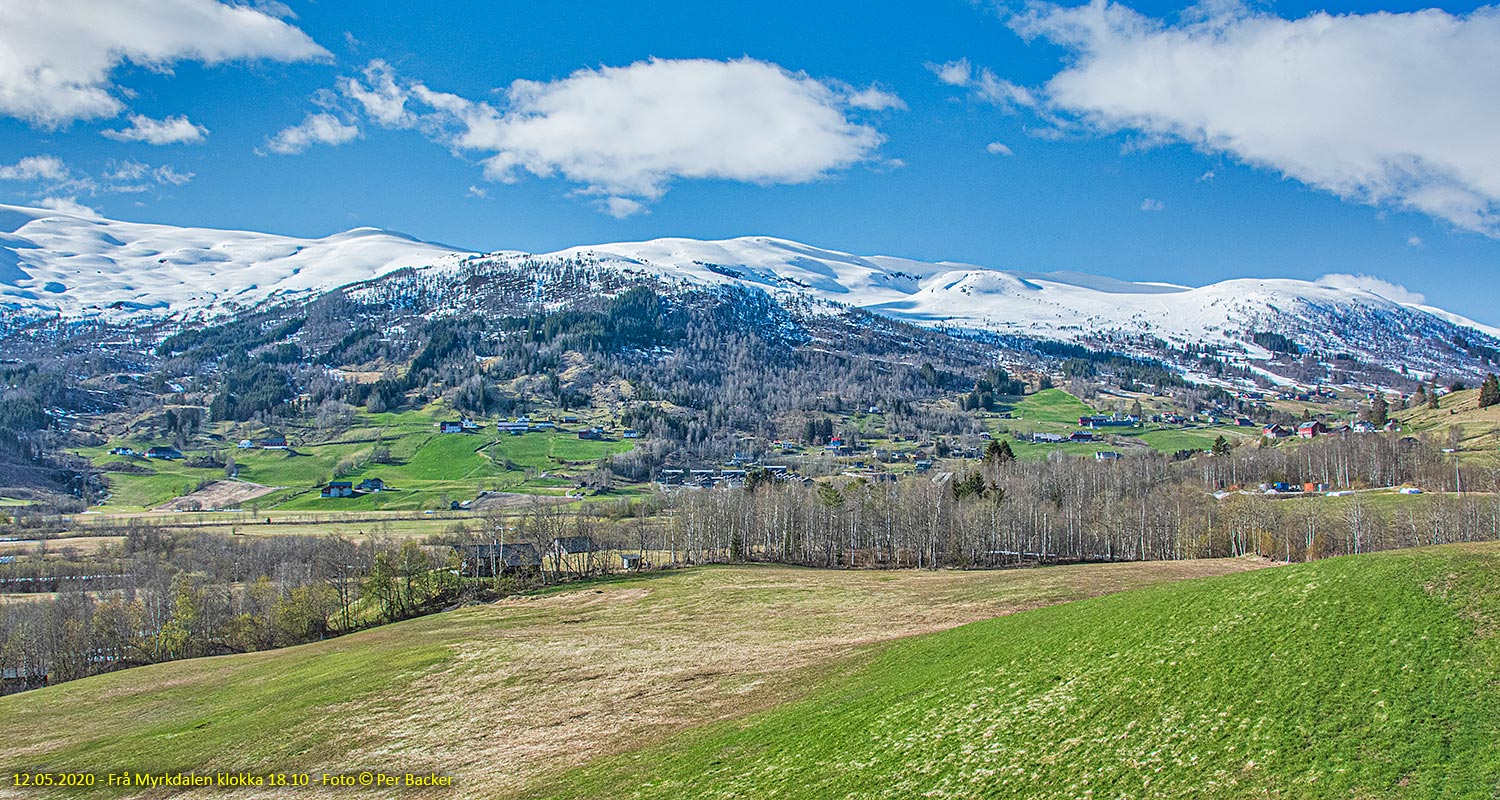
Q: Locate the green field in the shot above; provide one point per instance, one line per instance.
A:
(427, 468)
(540, 684)
(1051, 405)
(1366, 676)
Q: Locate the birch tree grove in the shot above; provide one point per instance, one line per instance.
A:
(1146, 507)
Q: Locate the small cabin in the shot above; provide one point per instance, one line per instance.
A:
(633, 561)
(164, 453)
(372, 485)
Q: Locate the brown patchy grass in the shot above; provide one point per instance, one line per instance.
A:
(216, 495)
(514, 692)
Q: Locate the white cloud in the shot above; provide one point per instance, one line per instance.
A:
(57, 56)
(1206, 177)
(166, 174)
(1414, 241)
(172, 130)
(68, 205)
(998, 149)
(379, 96)
(1390, 291)
(984, 85)
(622, 207)
(1152, 204)
(953, 73)
(626, 133)
(875, 99)
(35, 168)
(479, 192)
(315, 129)
(1381, 108)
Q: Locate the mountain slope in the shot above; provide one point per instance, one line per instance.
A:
(52, 262)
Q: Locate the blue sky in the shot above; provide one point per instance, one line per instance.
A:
(1144, 140)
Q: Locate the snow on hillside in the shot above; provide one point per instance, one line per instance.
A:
(58, 263)
(1061, 305)
(53, 262)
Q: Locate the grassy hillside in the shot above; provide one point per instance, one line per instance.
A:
(1457, 422)
(425, 465)
(537, 684)
(1367, 676)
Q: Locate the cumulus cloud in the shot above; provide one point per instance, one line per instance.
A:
(1414, 241)
(172, 130)
(875, 99)
(35, 168)
(68, 205)
(315, 129)
(1152, 204)
(626, 133)
(622, 207)
(1390, 291)
(57, 56)
(1383, 108)
(479, 192)
(998, 149)
(984, 85)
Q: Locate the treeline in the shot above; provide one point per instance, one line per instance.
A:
(1068, 509)
(159, 597)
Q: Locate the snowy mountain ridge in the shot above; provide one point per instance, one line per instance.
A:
(54, 263)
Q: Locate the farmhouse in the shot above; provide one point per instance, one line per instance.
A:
(338, 489)
(570, 545)
(592, 435)
(164, 453)
(1309, 430)
(512, 427)
(1082, 436)
(1048, 438)
(1275, 432)
(489, 560)
(372, 485)
(275, 441)
(122, 451)
(451, 426)
(1107, 455)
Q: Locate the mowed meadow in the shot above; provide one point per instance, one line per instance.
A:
(542, 684)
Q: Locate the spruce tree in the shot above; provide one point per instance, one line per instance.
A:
(1379, 411)
(1489, 391)
(1222, 446)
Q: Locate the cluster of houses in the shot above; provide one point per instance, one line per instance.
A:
(349, 489)
(523, 425)
(165, 452)
(1312, 429)
(274, 441)
(1096, 421)
(729, 476)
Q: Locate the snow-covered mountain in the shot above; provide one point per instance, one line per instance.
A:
(55, 263)
(58, 263)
